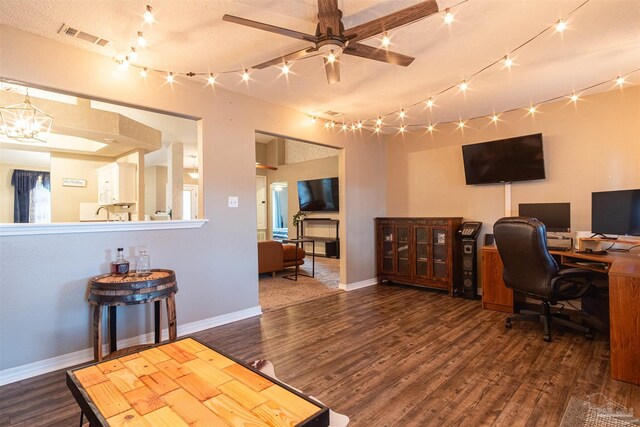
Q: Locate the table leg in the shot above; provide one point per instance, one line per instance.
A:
(171, 318)
(313, 259)
(113, 343)
(97, 332)
(158, 318)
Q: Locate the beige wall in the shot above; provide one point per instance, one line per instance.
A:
(594, 146)
(65, 201)
(216, 265)
(7, 190)
(155, 187)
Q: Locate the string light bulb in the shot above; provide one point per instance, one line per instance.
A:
(402, 128)
(286, 69)
(124, 64)
(386, 41)
(533, 110)
(448, 16)
(495, 118)
(144, 73)
(211, 80)
(326, 125)
(429, 103)
(331, 58)
(461, 124)
(378, 121)
(561, 25)
(332, 125)
(359, 125)
(430, 128)
(377, 129)
(148, 15)
(133, 55)
(344, 126)
(353, 127)
(401, 114)
(313, 119)
(464, 86)
(142, 42)
(620, 81)
(170, 78)
(245, 75)
(508, 62)
(574, 98)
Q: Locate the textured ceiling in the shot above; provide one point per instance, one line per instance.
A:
(602, 41)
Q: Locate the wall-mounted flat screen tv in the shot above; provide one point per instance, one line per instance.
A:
(317, 195)
(506, 160)
(616, 212)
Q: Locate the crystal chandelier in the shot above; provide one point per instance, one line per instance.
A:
(25, 123)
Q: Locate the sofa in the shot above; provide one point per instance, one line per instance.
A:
(274, 256)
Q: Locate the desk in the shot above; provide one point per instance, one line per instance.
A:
(623, 273)
(187, 382)
(111, 291)
(297, 242)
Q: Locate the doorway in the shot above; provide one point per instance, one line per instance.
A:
(190, 202)
(279, 210)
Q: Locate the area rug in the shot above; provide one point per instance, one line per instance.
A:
(279, 292)
(597, 411)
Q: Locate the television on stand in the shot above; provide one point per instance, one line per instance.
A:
(505, 160)
(319, 195)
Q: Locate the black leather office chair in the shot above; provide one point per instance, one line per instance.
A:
(532, 271)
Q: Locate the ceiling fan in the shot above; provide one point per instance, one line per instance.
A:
(331, 38)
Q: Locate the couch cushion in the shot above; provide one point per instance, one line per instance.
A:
(290, 253)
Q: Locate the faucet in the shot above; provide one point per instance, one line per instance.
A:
(105, 208)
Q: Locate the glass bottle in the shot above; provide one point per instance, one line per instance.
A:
(120, 266)
(143, 262)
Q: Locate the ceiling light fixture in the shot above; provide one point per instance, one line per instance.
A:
(386, 41)
(331, 58)
(26, 123)
(448, 16)
(194, 173)
(148, 15)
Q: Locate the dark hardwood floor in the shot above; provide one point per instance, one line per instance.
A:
(393, 356)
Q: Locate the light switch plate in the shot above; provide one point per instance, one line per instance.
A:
(233, 201)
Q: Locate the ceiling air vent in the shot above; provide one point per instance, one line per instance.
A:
(75, 33)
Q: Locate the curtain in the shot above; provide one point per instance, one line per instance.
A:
(27, 207)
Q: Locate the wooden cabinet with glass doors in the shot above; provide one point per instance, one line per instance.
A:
(419, 251)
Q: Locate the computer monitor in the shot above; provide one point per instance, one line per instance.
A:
(555, 216)
(616, 212)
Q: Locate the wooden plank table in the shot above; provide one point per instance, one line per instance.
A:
(187, 383)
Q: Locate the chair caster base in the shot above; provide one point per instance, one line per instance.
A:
(547, 337)
(507, 324)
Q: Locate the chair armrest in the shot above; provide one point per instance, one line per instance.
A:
(575, 272)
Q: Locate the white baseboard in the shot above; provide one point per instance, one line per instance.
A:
(29, 370)
(358, 285)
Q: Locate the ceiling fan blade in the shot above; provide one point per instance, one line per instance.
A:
(379, 54)
(270, 28)
(389, 22)
(333, 70)
(329, 17)
(288, 57)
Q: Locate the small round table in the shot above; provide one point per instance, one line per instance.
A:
(112, 290)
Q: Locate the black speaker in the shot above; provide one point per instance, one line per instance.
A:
(469, 269)
(489, 239)
(332, 249)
